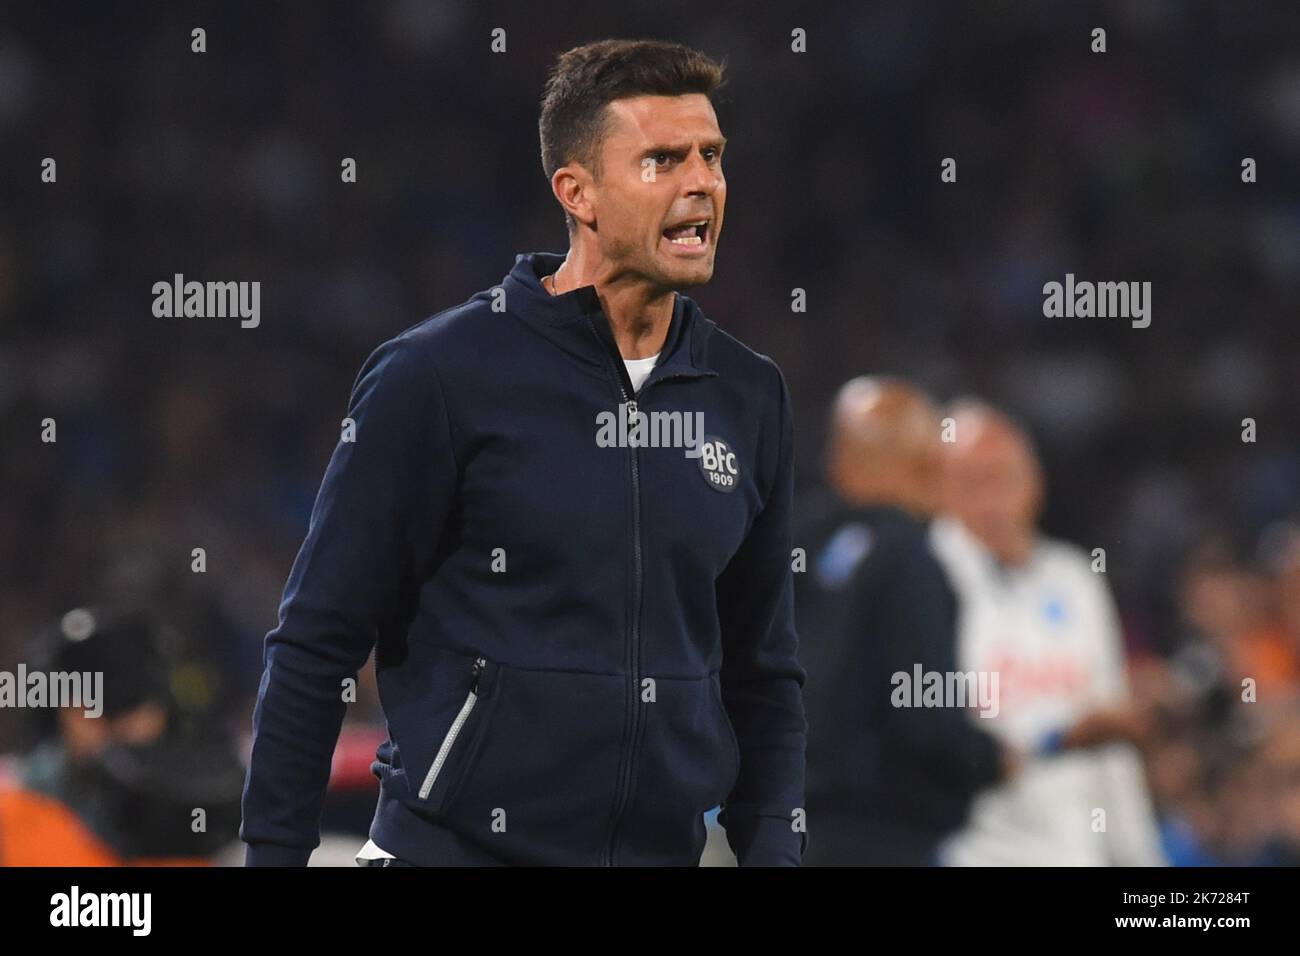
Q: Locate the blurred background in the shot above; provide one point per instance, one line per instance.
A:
(175, 433)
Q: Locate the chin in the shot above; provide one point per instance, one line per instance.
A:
(689, 274)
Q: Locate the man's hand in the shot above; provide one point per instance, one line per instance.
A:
(1012, 764)
(1128, 724)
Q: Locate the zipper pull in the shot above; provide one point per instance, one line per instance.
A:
(477, 672)
(631, 409)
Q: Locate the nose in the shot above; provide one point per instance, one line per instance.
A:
(701, 178)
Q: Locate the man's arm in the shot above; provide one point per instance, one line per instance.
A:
(762, 682)
(373, 532)
(915, 614)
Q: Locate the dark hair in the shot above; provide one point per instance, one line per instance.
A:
(126, 644)
(587, 78)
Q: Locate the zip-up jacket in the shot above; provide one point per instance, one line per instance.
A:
(583, 642)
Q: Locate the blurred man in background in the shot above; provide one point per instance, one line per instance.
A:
(885, 783)
(144, 782)
(1033, 611)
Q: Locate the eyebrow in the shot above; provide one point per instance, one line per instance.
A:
(718, 144)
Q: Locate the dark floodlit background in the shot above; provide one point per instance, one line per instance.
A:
(183, 433)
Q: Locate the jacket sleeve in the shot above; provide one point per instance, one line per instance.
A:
(372, 535)
(916, 616)
(762, 681)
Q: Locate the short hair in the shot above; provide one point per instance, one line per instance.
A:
(586, 79)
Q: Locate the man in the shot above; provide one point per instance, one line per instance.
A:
(1035, 613)
(885, 783)
(581, 649)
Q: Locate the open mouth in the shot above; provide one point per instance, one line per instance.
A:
(689, 236)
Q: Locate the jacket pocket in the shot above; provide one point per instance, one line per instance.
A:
(538, 780)
(438, 727)
(716, 683)
(687, 764)
(454, 731)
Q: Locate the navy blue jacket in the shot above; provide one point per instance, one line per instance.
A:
(579, 649)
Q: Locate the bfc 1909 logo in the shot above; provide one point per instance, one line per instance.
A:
(719, 464)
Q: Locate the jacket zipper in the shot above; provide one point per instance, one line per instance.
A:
(470, 700)
(625, 776)
(625, 783)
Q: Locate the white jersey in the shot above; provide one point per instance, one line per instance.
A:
(1051, 633)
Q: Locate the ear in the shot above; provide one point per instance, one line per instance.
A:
(1037, 493)
(575, 190)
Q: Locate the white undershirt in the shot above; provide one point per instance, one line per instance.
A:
(373, 851)
(639, 369)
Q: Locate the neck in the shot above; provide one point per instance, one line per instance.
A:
(880, 491)
(639, 313)
(1016, 554)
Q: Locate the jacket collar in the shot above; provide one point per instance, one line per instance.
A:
(563, 317)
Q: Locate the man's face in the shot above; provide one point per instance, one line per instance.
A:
(993, 486)
(84, 737)
(660, 170)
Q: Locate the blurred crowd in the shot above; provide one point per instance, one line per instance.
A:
(1223, 745)
(174, 435)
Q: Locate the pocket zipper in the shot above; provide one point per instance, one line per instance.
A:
(470, 700)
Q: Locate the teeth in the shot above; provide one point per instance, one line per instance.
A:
(687, 241)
